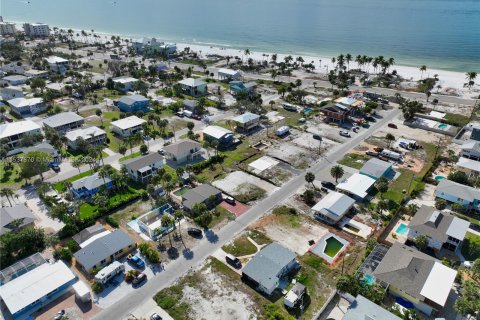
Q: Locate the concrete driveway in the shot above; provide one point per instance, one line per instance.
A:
(238, 209)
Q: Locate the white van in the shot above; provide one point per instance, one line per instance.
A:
(282, 131)
(187, 113)
(110, 271)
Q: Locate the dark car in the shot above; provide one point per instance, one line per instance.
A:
(370, 118)
(229, 200)
(392, 125)
(328, 185)
(155, 316)
(194, 232)
(136, 261)
(317, 137)
(233, 261)
(139, 279)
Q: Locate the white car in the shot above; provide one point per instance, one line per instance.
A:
(345, 133)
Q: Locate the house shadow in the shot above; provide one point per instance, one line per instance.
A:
(175, 165)
(211, 236)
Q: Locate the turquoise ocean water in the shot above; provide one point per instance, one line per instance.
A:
(441, 34)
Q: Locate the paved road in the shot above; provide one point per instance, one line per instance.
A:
(212, 242)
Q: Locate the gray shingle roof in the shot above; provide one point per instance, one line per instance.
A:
(132, 99)
(100, 249)
(10, 214)
(87, 233)
(90, 182)
(424, 222)
(458, 190)
(143, 161)
(405, 268)
(375, 167)
(246, 117)
(266, 265)
(62, 119)
(198, 195)
(182, 146)
(363, 309)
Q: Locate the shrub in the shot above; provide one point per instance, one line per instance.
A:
(97, 287)
(284, 210)
(73, 245)
(66, 254)
(112, 221)
(440, 204)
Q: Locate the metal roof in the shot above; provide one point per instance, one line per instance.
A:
(18, 127)
(458, 190)
(128, 122)
(216, 132)
(191, 82)
(61, 119)
(375, 167)
(246, 117)
(334, 205)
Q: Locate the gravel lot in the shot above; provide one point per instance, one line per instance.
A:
(233, 180)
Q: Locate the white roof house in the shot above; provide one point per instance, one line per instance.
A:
(84, 133)
(55, 60)
(439, 283)
(19, 127)
(191, 82)
(229, 73)
(129, 122)
(333, 206)
(262, 164)
(124, 80)
(22, 102)
(465, 164)
(216, 132)
(34, 285)
(357, 185)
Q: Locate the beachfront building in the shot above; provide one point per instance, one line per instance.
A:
(471, 150)
(151, 46)
(9, 93)
(57, 64)
(236, 87)
(468, 197)
(15, 79)
(35, 286)
(442, 229)
(150, 223)
(87, 187)
(27, 107)
(134, 103)
(357, 186)
(7, 28)
(376, 169)
(229, 74)
(335, 112)
(333, 207)
(12, 133)
(102, 251)
(183, 152)
(193, 87)
(268, 267)
(220, 136)
(92, 135)
(203, 193)
(415, 278)
(15, 218)
(38, 29)
(247, 122)
(124, 83)
(127, 126)
(470, 167)
(143, 168)
(63, 122)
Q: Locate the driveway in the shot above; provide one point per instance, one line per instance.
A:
(238, 209)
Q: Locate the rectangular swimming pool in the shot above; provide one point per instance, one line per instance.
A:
(402, 229)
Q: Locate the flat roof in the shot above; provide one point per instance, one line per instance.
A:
(18, 127)
(358, 184)
(128, 122)
(34, 285)
(61, 119)
(439, 283)
(263, 164)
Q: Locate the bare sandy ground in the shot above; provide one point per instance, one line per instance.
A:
(233, 180)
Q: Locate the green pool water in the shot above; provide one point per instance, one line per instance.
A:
(332, 247)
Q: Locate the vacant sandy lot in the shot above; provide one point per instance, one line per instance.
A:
(233, 180)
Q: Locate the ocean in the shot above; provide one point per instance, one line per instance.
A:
(442, 34)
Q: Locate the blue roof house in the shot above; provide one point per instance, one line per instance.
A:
(376, 168)
(134, 103)
(239, 86)
(89, 186)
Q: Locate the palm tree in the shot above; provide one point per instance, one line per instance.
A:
(348, 58)
(178, 215)
(390, 138)
(167, 223)
(423, 69)
(471, 76)
(7, 193)
(310, 177)
(337, 172)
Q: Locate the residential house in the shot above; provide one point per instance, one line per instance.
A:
(63, 122)
(13, 132)
(203, 193)
(150, 223)
(466, 196)
(57, 64)
(268, 267)
(34, 73)
(416, 277)
(42, 147)
(104, 250)
(363, 309)
(128, 126)
(336, 112)
(15, 80)
(7, 28)
(38, 29)
(92, 135)
(89, 186)
(376, 168)
(9, 93)
(357, 186)
(124, 83)
(471, 150)
(23, 107)
(229, 74)
(15, 218)
(35, 288)
(143, 168)
(150, 46)
(247, 122)
(470, 167)
(189, 105)
(134, 103)
(442, 229)
(193, 87)
(333, 207)
(222, 137)
(236, 87)
(90, 234)
(183, 151)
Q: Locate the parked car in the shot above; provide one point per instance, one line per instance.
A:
(180, 114)
(233, 261)
(194, 232)
(302, 120)
(317, 137)
(355, 129)
(372, 153)
(345, 133)
(59, 315)
(139, 279)
(328, 185)
(370, 118)
(136, 261)
(229, 200)
(392, 125)
(155, 316)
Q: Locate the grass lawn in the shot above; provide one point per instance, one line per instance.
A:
(60, 186)
(11, 176)
(171, 172)
(88, 210)
(241, 246)
(471, 247)
(223, 214)
(259, 237)
(130, 156)
(468, 218)
(354, 160)
(457, 119)
(291, 118)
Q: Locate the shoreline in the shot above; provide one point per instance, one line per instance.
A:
(447, 79)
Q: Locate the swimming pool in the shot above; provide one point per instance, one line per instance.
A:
(443, 126)
(307, 110)
(332, 247)
(402, 229)
(369, 279)
(439, 178)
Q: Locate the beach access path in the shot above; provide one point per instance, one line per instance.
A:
(212, 242)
